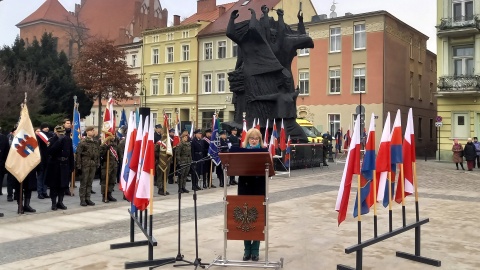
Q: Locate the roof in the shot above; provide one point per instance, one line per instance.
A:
(50, 10)
(207, 16)
(220, 25)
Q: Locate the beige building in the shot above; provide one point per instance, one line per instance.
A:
(218, 56)
(458, 92)
(372, 60)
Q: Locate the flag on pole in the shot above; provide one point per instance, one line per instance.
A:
(244, 131)
(283, 137)
(127, 156)
(76, 131)
(257, 125)
(176, 136)
(275, 135)
(133, 164)
(382, 163)
(265, 139)
(271, 146)
(346, 139)
(213, 149)
(287, 153)
(368, 166)
(192, 127)
(123, 123)
(409, 157)
(352, 166)
(108, 121)
(24, 153)
(142, 194)
(169, 142)
(396, 155)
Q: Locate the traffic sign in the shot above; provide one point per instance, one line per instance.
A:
(439, 118)
(438, 124)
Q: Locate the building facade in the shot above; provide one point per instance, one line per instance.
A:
(369, 63)
(218, 56)
(458, 92)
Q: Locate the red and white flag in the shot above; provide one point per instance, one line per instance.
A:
(382, 163)
(143, 192)
(127, 155)
(176, 136)
(257, 125)
(352, 166)
(283, 138)
(265, 139)
(409, 158)
(108, 118)
(135, 160)
(244, 131)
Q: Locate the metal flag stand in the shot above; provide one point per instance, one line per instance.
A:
(222, 260)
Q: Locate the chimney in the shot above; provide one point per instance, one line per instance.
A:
(82, 3)
(221, 10)
(206, 5)
(176, 20)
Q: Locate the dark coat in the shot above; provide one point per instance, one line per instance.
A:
(4, 148)
(198, 149)
(60, 164)
(234, 140)
(29, 183)
(469, 151)
(43, 150)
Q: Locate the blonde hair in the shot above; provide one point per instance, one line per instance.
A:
(251, 133)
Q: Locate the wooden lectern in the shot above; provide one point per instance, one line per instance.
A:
(246, 163)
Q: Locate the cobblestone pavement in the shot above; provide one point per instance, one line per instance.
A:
(46, 235)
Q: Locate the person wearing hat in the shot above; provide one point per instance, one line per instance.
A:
(207, 170)
(109, 148)
(162, 162)
(43, 138)
(87, 161)
(223, 149)
(157, 136)
(60, 167)
(198, 156)
(233, 141)
(184, 159)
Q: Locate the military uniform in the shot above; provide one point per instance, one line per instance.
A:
(198, 155)
(219, 170)
(184, 159)
(162, 165)
(207, 165)
(87, 162)
(110, 149)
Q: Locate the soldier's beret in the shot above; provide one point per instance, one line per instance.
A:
(208, 130)
(60, 129)
(223, 132)
(197, 131)
(158, 126)
(171, 130)
(234, 128)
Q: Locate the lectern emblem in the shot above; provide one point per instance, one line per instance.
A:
(246, 217)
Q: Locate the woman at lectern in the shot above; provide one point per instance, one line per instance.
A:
(252, 185)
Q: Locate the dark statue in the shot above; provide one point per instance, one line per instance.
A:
(262, 82)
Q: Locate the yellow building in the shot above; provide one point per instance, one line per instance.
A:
(458, 55)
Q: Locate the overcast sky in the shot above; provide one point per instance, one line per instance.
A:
(418, 13)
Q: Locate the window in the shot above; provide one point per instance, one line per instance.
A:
(335, 39)
(411, 47)
(155, 56)
(221, 82)
(420, 51)
(462, 11)
(419, 128)
(134, 60)
(304, 82)
(185, 52)
(419, 87)
(359, 79)
(359, 36)
(334, 123)
(168, 85)
(207, 83)
(463, 60)
(234, 50)
(431, 65)
(411, 84)
(154, 89)
(334, 81)
(431, 129)
(185, 34)
(431, 92)
(222, 49)
(185, 84)
(304, 52)
(154, 117)
(208, 50)
(170, 36)
(155, 38)
(169, 54)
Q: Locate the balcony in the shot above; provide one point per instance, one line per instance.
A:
(463, 84)
(458, 26)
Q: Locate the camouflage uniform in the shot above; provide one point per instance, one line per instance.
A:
(87, 161)
(112, 168)
(184, 159)
(162, 164)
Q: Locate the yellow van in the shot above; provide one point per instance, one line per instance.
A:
(311, 132)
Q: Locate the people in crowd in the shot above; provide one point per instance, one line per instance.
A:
(457, 150)
(184, 159)
(477, 150)
(470, 153)
(109, 161)
(87, 161)
(43, 137)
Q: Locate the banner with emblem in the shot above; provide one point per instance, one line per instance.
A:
(76, 131)
(24, 154)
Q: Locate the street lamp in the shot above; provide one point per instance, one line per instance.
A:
(143, 93)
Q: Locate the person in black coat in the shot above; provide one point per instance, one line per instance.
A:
(43, 137)
(59, 167)
(207, 165)
(29, 184)
(222, 149)
(233, 141)
(198, 157)
(470, 153)
(252, 185)
(4, 148)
